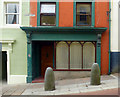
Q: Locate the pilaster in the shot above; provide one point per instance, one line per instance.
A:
(29, 58)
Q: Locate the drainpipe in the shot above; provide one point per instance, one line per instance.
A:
(110, 1)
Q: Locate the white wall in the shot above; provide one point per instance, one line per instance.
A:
(114, 25)
(119, 26)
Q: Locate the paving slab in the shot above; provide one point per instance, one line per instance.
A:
(63, 87)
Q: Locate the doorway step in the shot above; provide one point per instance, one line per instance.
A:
(38, 80)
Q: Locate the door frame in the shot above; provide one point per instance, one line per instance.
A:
(8, 65)
(9, 50)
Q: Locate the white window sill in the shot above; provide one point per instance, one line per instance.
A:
(11, 26)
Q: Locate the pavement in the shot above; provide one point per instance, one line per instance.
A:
(63, 87)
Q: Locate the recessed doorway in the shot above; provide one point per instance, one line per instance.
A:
(4, 66)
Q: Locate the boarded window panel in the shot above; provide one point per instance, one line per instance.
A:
(47, 8)
(62, 55)
(75, 55)
(88, 55)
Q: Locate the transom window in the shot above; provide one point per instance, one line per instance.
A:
(12, 13)
(74, 55)
(83, 14)
(48, 14)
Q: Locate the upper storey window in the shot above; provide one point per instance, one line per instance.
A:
(12, 13)
(48, 14)
(83, 14)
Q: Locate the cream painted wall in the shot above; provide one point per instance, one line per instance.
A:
(17, 68)
(114, 26)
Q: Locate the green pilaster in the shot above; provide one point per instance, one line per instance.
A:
(38, 12)
(57, 14)
(74, 13)
(99, 50)
(29, 59)
(109, 34)
(93, 13)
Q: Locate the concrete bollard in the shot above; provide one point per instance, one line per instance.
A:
(95, 74)
(49, 81)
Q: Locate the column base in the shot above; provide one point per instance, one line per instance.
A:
(29, 79)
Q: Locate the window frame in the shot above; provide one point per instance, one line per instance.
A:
(5, 25)
(11, 13)
(48, 14)
(68, 43)
(88, 3)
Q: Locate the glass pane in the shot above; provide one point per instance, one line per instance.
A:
(47, 8)
(48, 20)
(75, 55)
(83, 8)
(12, 8)
(88, 55)
(62, 55)
(12, 19)
(83, 20)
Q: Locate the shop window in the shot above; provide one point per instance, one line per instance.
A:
(62, 55)
(74, 55)
(12, 13)
(83, 14)
(88, 55)
(47, 14)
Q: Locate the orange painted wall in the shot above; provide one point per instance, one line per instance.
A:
(101, 20)
(33, 10)
(66, 20)
(66, 13)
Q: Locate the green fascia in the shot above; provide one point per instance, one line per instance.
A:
(52, 29)
(64, 37)
(57, 11)
(93, 11)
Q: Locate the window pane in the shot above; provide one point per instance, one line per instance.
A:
(12, 19)
(48, 20)
(12, 8)
(47, 8)
(83, 20)
(88, 55)
(83, 8)
(62, 55)
(75, 55)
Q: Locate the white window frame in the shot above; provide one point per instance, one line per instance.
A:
(4, 24)
(10, 14)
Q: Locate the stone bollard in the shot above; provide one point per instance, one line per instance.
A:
(95, 74)
(49, 83)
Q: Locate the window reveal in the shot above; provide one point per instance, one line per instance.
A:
(74, 55)
(48, 14)
(83, 15)
(12, 13)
